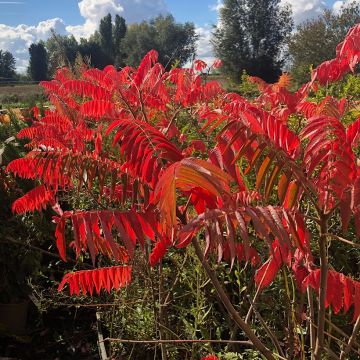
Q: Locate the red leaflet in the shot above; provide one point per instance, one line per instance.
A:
(107, 279)
(347, 56)
(158, 251)
(103, 78)
(210, 357)
(291, 195)
(242, 253)
(97, 109)
(60, 238)
(140, 142)
(342, 291)
(93, 231)
(149, 59)
(202, 200)
(352, 133)
(36, 199)
(266, 273)
(88, 89)
(198, 145)
(217, 64)
(187, 175)
(200, 65)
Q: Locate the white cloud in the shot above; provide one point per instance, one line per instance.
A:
(132, 10)
(305, 9)
(204, 48)
(339, 4)
(302, 9)
(217, 6)
(18, 39)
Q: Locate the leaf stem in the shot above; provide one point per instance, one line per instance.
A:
(228, 305)
(319, 347)
(351, 340)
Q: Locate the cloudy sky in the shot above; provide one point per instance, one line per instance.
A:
(28, 21)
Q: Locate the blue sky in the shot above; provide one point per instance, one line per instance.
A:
(26, 21)
(31, 12)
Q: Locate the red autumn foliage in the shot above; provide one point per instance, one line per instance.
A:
(210, 357)
(114, 135)
(88, 281)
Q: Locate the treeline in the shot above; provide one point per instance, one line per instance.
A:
(258, 37)
(253, 36)
(115, 43)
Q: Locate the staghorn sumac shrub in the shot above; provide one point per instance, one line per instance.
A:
(116, 137)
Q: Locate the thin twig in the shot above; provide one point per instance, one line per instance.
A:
(343, 240)
(351, 340)
(123, 98)
(102, 349)
(172, 121)
(273, 338)
(311, 322)
(331, 353)
(143, 107)
(256, 296)
(322, 291)
(48, 253)
(161, 313)
(341, 332)
(258, 344)
(180, 341)
(177, 278)
(357, 351)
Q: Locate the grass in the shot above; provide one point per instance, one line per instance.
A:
(20, 95)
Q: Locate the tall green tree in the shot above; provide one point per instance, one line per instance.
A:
(251, 36)
(174, 42)
(106, 37)
(7, 66)
(38, 64)
(119, 32)
(315, 40)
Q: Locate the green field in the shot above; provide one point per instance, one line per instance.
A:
(20, 94)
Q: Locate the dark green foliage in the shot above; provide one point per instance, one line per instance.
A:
(106, 38)
(119, 32)
(251, 36)
(315, 40)
(38, 65)
(7, 66)
(173, 41)
(94, 54)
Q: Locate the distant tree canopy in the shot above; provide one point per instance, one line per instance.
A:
(104, 47)
(106, 38)
(115, 43)
(315, 40)
(38, 64)
(7, 66)
(118, 33)
(61, 51)
(251, 36)
(175, 42)
(93, 54)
